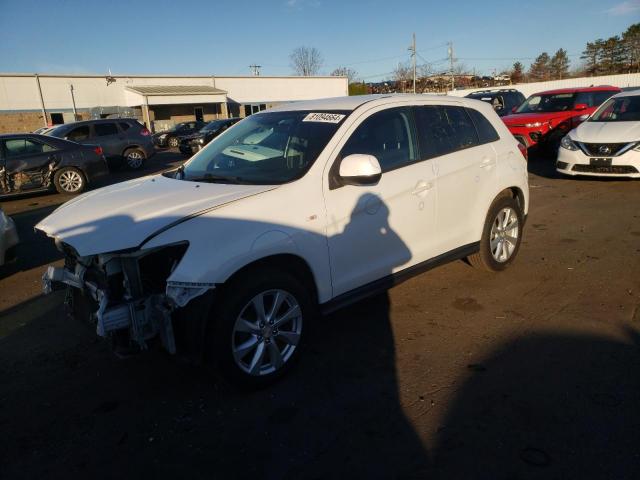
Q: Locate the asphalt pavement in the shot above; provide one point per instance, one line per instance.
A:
(533, 373)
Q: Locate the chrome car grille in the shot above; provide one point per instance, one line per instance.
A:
(605, 149)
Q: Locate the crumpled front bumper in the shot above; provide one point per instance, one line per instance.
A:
(143, 318)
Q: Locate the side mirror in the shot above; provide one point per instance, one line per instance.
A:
(359, 169)
(580, 106)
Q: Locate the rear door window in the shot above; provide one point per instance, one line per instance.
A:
(16, 147)
(124, 126)
(104, 129)
(444, 129)
(78, 134)
(486, 132)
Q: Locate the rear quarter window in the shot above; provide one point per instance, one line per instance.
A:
(486, 132)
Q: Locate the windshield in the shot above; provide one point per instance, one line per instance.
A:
(558, 102)
(622, 109)
(265, 148)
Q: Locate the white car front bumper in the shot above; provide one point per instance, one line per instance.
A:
(576, 162)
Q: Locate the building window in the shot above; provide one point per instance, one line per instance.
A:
(57, 119)
(199, 114)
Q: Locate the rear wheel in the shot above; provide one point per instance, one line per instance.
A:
(69, 180)
(258, 327)
(501, 235)
(173, 142)
(134, 158)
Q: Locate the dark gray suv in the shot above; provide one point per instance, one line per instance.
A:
(123, 140)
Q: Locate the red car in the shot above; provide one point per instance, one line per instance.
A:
(544, 118)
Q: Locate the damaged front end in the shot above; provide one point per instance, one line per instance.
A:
(127, 295)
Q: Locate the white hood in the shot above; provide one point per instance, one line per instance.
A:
(607, 132)
(124, 215)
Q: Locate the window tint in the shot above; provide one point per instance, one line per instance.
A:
(444, 130)
(387, 135)
(124, 126)
(20, 146)
(104, 129)
(600, 97)
(486, 132)
(78, 134)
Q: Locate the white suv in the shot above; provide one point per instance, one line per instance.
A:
(302, 208)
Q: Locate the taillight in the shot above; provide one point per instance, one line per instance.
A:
(523, 151)
(98, 150)
(145, 132)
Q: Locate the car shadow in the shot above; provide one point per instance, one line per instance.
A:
(72, 409)
(547, 406)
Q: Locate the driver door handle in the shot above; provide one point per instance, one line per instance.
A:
(422, 187)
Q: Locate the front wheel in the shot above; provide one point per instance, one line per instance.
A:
(501, 236)
(173, 142)
(258, 326)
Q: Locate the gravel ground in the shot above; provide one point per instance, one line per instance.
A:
(533, 373)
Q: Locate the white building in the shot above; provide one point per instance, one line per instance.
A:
(29, 101)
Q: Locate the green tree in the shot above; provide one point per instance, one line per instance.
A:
(591, 57)
(540, 68)
(559, 64)
(517, 73)
(631, 45)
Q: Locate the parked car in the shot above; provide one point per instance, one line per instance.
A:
(607, 143)
(173, 136)
(308, 206)
(123, 140)
(30, 163)
(503, 101)
(194, 143)
(8, 238)
(544, 118)
(41, 130)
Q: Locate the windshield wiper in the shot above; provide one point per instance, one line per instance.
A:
(208, 177)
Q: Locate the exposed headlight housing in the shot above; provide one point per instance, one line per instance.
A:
(568, 144)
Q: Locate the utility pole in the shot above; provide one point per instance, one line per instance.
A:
(73, 102)
(450, 52)
(412, 49)
(255, 70)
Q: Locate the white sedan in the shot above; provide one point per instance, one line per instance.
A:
(608, 143)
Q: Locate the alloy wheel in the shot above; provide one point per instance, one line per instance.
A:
(135, 159)
(504, 234)
(267, 332)
(70, 181)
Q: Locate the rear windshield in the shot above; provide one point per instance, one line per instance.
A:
(558, 102)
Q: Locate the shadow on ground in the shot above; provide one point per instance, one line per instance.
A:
(542, 406)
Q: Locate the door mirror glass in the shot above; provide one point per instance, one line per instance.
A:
(581, 106)
(360, 169)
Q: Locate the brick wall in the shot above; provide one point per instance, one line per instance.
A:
(24, 122)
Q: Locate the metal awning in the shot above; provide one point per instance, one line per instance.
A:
(173, 94)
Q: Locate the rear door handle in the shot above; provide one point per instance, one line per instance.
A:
(422, 187)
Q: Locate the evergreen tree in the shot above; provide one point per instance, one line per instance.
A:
(517, 73)
(591, 56)
(559, 65)
(540, 68)
(631, 46)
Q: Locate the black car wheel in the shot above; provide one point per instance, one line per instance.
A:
(173, 142)
(69, 180)
(134, 158)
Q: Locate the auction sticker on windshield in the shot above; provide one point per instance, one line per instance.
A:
(323, 117)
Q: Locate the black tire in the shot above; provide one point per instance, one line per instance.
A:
(173, 142)
(69, 181)
(236, 298)
(485, 258)
(134, 158)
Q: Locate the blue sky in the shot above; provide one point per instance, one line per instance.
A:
(225, 37)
